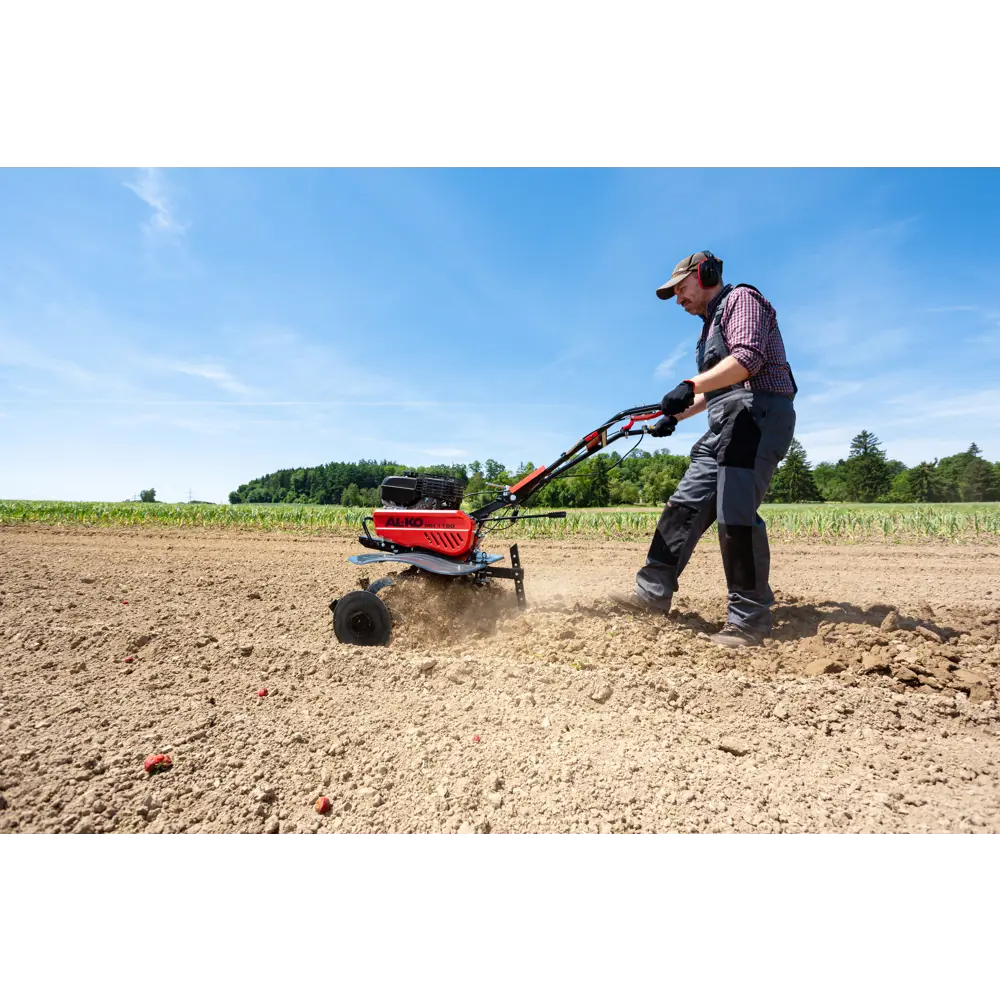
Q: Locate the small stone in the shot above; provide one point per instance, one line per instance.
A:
(928, 634)
(273, 826)
(466, 828)
(735, 747)
(903, 673)
(88, 579)
(425, 666)
(246, 650)
(253, 596)
(496, 799)
(545, 722)
(780, 711)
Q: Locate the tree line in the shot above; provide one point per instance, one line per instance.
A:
(868, 476)
(643, 477)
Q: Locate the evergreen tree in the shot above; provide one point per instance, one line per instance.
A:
(979, 482)
(921, 484)
(793, 480)
(866, 473)
(952, 470)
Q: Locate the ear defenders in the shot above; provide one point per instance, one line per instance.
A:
(709, 270)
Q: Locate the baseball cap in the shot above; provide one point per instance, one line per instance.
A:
(684, 267)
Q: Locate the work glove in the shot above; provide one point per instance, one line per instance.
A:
(679, 399)
(663, 427)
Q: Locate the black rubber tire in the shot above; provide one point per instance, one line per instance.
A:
(361, 619)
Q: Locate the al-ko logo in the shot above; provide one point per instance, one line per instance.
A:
(404, 522)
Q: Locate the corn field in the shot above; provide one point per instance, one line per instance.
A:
(829, 523)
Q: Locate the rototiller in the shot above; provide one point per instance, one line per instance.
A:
(421, 524)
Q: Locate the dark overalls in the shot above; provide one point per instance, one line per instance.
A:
(731, 467)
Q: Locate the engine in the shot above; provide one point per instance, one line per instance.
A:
(415, 492)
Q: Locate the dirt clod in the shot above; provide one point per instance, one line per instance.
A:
(823, 665)
(890, 623)
(601, 691)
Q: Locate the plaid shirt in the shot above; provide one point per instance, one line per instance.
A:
(750, 330)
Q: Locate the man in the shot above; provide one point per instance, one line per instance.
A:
(746, 385)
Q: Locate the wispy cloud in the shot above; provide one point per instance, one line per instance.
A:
(915, 408)
(149, 186)
(831, 392)
(214, 373)
(15, 352)
(665, 367)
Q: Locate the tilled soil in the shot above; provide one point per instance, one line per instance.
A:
(872, 708)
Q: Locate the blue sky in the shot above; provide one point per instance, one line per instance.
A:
(193, 329)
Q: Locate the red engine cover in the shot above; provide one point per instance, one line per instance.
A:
(447, 532)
